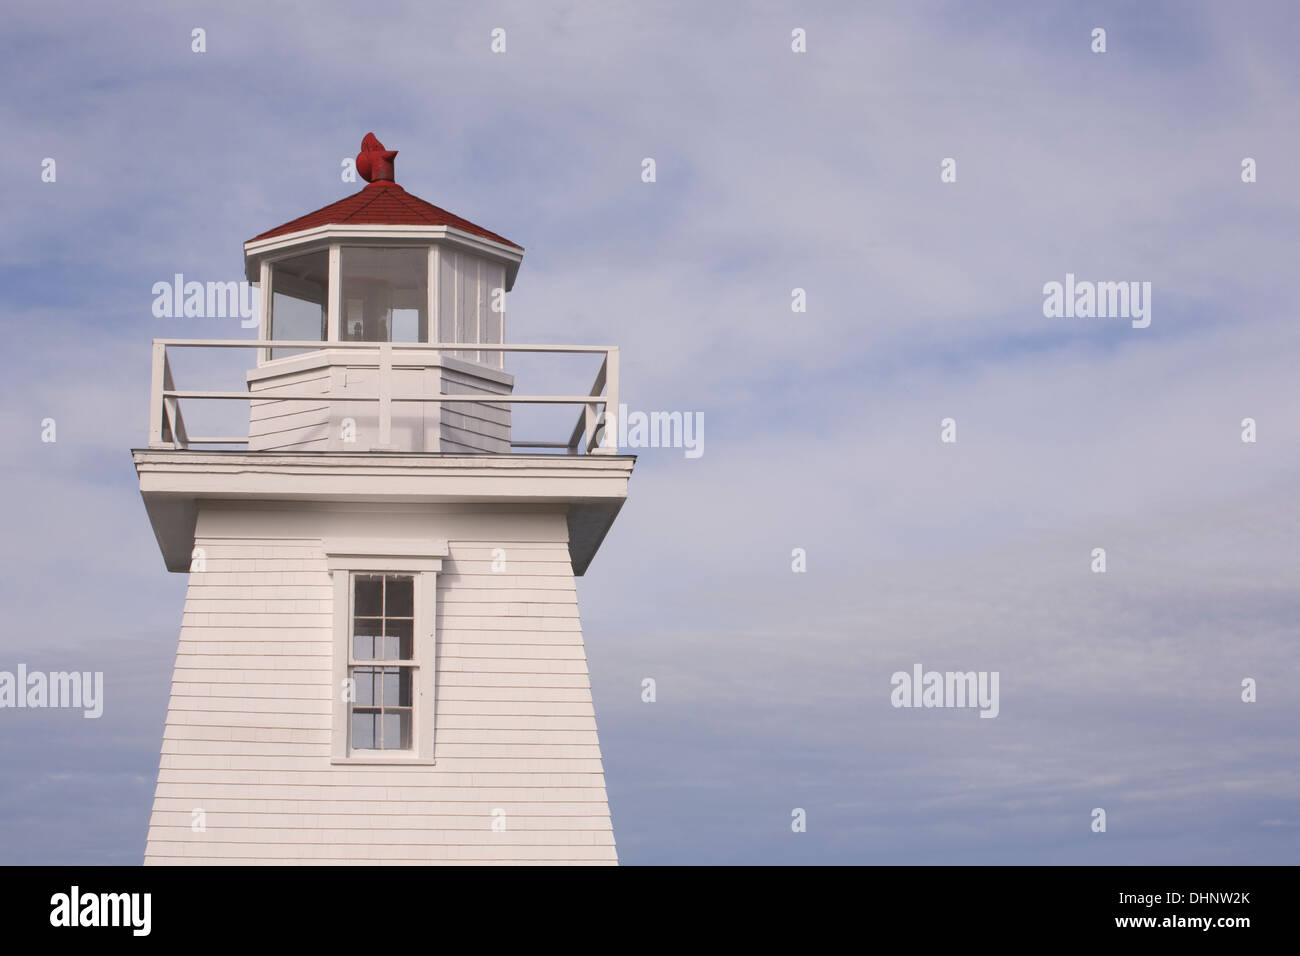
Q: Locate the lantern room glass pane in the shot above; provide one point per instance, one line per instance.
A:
(464, 305)
(384, 294)
(298, 300)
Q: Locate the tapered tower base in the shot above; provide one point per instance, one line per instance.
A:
(256, 762)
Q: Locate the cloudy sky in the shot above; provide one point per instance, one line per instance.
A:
(775, 170)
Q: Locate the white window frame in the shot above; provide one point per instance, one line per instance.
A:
(345, 558)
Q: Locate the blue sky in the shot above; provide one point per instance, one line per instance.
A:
(775, 170)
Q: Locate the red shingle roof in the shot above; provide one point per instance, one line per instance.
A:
(382, 203)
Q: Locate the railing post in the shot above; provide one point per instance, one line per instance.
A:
(588, 426)
(386, 396)
(172, 408)
(609, 444)
(156, 396)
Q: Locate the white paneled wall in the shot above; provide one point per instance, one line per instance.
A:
(248, 729)
(466, 427)
(467, 287)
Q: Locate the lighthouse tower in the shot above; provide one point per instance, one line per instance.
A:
(381, 659)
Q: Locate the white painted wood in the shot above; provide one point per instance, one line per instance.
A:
(385, 391)
(158, 377)
(462, 303)
(309, 240)
(349, 384)
(256, 728)
(334, 314)
(430, 346)
(467, 303)
(447, 282)
(250, 737)
(496, 321)
(264, 301)
(590, 489)
(609, 441)
(434, 289)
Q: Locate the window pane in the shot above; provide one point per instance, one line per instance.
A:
(353, 325)
(406, 325)
(398, 641)
(397, 730)
(298, 300)
(364, 725)
(367, 679)
(399, 597)
(369, 591)
(367, 639)
(397, 687)
(385, 294)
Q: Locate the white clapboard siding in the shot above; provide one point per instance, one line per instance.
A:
(291, 425)
(473, 427)
(413, 425)
(248, 735)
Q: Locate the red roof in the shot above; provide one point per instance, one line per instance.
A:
(382, 203)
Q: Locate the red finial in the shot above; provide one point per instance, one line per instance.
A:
(375, 163)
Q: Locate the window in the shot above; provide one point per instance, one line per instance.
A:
(385, 294)
(468, 289)
(382, 664)
(384, 651)
(298, 300)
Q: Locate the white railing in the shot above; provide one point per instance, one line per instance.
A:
(589, 435)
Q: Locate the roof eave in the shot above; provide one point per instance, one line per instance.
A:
(255, 250)
(176, 483)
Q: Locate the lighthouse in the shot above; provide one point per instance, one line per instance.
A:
(381, 658)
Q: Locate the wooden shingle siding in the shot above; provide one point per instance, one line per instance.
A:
(248, 736)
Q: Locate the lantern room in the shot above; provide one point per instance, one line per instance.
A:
(385, 267)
